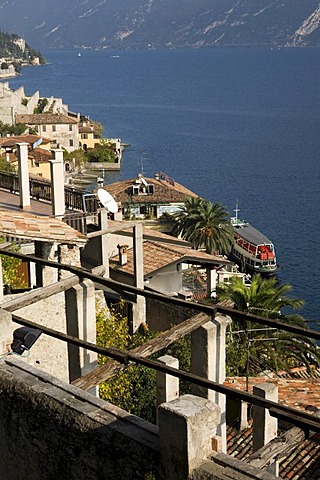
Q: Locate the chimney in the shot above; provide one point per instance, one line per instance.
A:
(123, 257)
(23, 170)
(57, 183)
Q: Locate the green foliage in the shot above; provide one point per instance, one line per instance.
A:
(10, 49)
(98, 129)
(133, 389)
(6, 129)
(24, 101)
(5, 166)
(253, 348)
(9, 269)
(42, 103)
(101, 153)
(77, 158)
(4, 66)
(205, 225)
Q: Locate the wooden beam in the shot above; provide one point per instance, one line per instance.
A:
(20, 301)
(112, 367)
(278, 448)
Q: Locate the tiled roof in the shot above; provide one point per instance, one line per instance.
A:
(156, 256)
(298, 389)
(33, 227)
(31, 139)
(45, 119)
(301, 394)
(126, 226)
(40, 155)
(86, 129)
(303, 463)
(164, 192)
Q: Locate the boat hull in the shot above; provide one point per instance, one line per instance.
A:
(252, 250)
(252, 265)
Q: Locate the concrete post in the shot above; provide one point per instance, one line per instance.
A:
(57, 183)
(208, 358)
(185, 431)
(103, 225)
(1, 281)
(203, 357)
(81, 323)
(139, 307)
(23, 171)
(167, 385)
(6, 331)
(265, 427)
(211, 282)
(45, 275)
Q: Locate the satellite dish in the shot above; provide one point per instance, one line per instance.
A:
(107, 200)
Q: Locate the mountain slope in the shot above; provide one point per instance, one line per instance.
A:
(130, 24)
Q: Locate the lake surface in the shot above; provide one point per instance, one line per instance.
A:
(227, 123)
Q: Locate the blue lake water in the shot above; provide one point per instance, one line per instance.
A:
(227, 123)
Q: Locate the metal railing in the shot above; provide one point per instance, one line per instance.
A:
(40, 189)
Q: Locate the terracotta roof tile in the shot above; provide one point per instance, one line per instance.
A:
(45, 119)
(158, 255)
(33, 227)
(164, 192)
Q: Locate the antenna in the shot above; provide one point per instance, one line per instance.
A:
(141, 160)
(236, 210)
(107, 200)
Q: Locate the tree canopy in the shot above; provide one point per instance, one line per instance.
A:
(252, 348)
(204, 224)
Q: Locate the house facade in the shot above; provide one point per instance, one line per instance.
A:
(149, 198)
(39, 153)
(62, 129)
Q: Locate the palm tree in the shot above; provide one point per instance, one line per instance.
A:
(205, 225)
(250, 346)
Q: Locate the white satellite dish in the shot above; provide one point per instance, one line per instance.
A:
(107, 200)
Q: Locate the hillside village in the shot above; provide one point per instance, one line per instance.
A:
(86, 252)
(16, 53)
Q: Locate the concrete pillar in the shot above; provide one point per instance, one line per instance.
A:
(81, 323)
(1, 282)
(167, 385)
(203, 358)
(57, 183)
(46, 275)
(265, 427)
(103, 225)
(208, 358)
(23, 172)
(139, 307)
(6, 331)
(185, 432)
(211, 282)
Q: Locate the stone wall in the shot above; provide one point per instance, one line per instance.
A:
(49, 429)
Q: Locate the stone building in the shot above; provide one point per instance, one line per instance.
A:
(17, 102)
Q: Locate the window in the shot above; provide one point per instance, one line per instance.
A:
(84, 135)
(44, 128)
(70, 128)
(70, 142)
(54, 129)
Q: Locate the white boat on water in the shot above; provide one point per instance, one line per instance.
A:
(251, 249)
